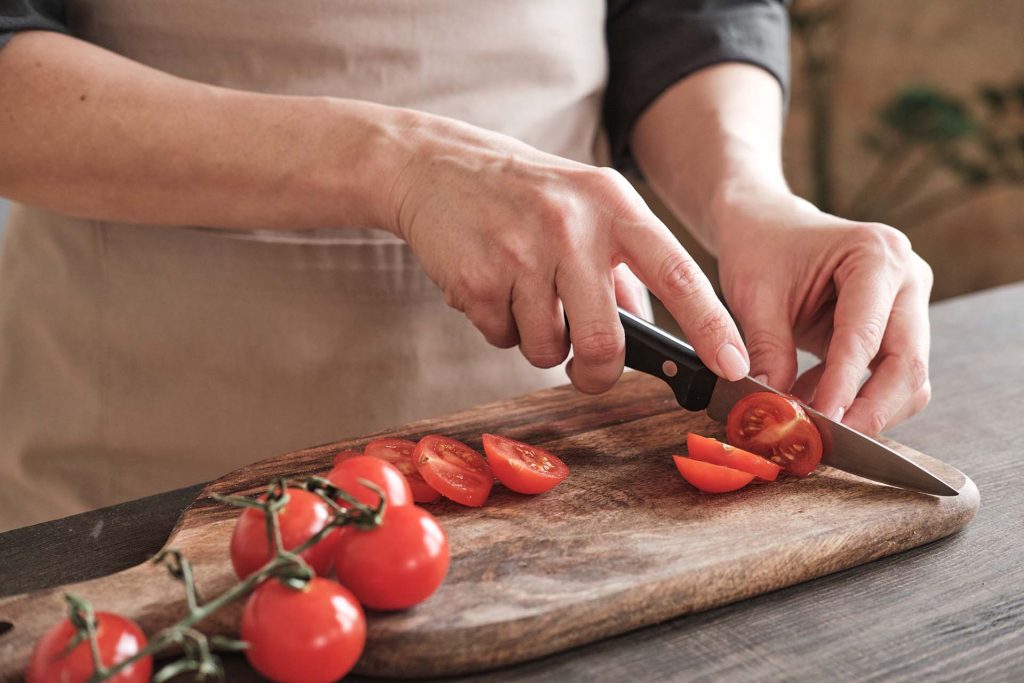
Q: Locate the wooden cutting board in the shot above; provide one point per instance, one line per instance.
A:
(621, 544)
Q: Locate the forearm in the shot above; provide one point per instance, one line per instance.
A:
(709, 138)
(92, 134)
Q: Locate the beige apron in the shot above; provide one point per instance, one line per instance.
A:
(138, 359)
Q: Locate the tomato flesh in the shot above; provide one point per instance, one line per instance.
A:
(397, 565)
(711, 478)
(399, 452)
(454, 469)
(777, 428)
(383, 474)
(303, 515)
(311, 635)
(521, 467)
(118, 639)
(717, 453)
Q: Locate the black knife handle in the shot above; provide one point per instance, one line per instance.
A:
(652, 350)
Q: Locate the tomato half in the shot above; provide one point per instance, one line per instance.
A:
(303, 515)
(398, 452)
(717, 453)
(397, 565)
(118, 639)
(523, 468)
(386, 476)
(777, 428)
(453, 468)
(711, 478)
(311, 635)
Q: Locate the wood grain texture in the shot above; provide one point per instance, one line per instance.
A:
(622, 544)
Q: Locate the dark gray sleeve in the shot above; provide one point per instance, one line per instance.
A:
(652, 44)
(25, 15)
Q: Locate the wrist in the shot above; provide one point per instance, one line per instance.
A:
(739, 204)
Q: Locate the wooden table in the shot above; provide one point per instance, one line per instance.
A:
(952, 610)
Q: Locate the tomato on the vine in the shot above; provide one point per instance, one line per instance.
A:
(398, 452)
(303, 515)
(384, 475)
(453, 468)
(396, 565)
(303, 636)
(711, 478)
(118, 639)
(521, 467)
(777, 428)
(342, 456)
(717, 453)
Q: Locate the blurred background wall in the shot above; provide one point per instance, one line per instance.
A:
(911, 113)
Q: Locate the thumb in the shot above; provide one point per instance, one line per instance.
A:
(769, 339)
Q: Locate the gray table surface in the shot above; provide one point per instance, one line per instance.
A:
(949, 611)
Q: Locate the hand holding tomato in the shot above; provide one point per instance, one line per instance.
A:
(854, 294)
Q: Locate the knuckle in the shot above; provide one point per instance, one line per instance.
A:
(923, 397)
(713, 325)
(917, 371)
(762, 343)
(877, 421)
(680, 276)
(927, 274)
(598, 347)
(546, 354)
(867, 337)
(883, 242)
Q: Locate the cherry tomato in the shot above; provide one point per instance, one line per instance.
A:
(342, 456)
(453, 468)
(386, 476)
(711, 478)
(398, 452)
(523, 468)
(718, 453)
(118, 639)
(303, 636)
(777, 428)
(397, 565)
(303, 515)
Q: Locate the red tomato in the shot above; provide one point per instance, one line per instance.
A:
(342, 456)
(718, 453)
(303, 636)
(386, 476)
(118, 639)
(398, 452)
(303, 515)
(523, 468)
(454, 469)
(777, 428)
(397, 565)
(711, 478)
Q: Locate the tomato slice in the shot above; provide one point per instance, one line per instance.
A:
(398, 452)
(711, 478)
(523, 468)
(717, 453)
(454, 469)
(777, 428)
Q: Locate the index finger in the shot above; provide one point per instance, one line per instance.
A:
(862, 313)
(655, 255)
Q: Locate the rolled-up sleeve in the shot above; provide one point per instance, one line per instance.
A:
(29, 15)
(653, 44)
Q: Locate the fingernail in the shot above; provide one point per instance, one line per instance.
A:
(732, 362)
(837, 414)
(762, 378)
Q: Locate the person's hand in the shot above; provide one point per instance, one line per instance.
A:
(511, 235)
(854, 294)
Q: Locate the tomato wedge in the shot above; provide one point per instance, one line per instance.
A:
(717, 453)
(711, 478)
(521, 467)
(777, 428)
(398, 452)
(453, 468)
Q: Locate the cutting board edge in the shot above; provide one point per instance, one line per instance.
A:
(966, 506)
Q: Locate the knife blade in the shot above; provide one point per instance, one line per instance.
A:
(654, 351)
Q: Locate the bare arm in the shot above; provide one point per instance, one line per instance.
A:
(855, 294)
(89, 133)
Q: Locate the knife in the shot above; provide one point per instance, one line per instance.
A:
(654, 351)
